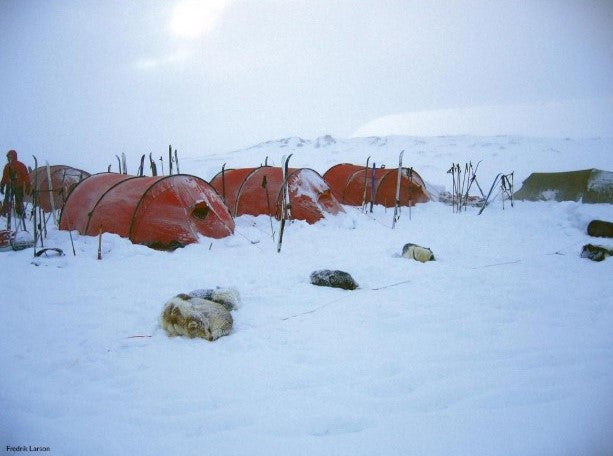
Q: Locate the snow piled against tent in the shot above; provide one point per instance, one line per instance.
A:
(600, 179)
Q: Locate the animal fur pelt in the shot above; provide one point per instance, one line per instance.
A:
(596, 252)
(335, 279)
(228, 297)
(193, 317)
(417, 252)
(600, 228)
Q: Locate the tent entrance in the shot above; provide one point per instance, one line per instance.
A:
(201, 210)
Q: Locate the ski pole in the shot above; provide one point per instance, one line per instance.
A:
(51, 196)
(141, 168)
(34, 221)
(100, 243)
(170, 159)
(223, 182)
(285, 207)
(265, 186)
(365, 182)
(397, 196)
(410, 193)
(34, 202)
(9, 199)
(74, 253)
(452, 172)
(372, 186)
(72, 244)
(154, 169)
(43, 221)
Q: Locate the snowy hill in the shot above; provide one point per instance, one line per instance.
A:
(502, 346)
(431, 157)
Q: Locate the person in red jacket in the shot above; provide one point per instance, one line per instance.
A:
(15, 183)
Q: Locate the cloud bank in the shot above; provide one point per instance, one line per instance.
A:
(578, 118)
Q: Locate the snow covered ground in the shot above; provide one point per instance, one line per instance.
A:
(502, 346)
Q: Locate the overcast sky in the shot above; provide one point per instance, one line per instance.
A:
(83, 80)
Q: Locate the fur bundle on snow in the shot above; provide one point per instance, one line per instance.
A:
(228, 297)
(600, 228)
(596, 252)
(193, 317)
(417, 252)
(335, 279)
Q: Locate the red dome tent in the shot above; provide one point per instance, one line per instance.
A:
(257, 191)
(162, 212)
(63, 180)
(348, 183)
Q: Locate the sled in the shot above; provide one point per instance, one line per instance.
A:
(15, 240)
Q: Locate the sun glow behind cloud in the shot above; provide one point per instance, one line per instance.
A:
(189, 21)
(193, 19)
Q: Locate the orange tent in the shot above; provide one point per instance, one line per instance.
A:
(162, 212)
(63, 180)
(258, 191)
(351, 183)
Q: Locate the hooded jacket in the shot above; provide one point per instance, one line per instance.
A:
(15, 173)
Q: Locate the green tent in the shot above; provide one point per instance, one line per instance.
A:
(588, 186)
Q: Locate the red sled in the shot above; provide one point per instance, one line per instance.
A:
(11, 240)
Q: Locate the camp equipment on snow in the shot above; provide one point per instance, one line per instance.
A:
(334, 279)
(600, 228)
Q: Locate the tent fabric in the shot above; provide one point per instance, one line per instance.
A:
(258, 191)
(588, 185)
(63, 179)
(162, 212)
(353, 184)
